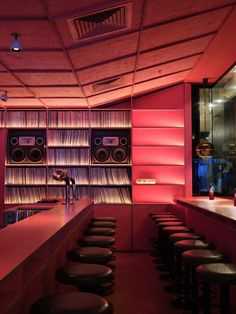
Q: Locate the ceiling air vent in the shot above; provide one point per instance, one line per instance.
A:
(100, 22)
(107, 84)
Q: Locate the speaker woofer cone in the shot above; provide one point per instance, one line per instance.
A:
(35, 154)
(119, 154)
(18, 154)
(102, 154)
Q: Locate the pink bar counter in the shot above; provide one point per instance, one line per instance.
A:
(215, 219)
(32, 249)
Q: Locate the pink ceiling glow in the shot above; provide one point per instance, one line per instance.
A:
(82, 54)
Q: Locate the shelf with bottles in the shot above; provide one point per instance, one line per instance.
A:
(26, 118)
(68, 119)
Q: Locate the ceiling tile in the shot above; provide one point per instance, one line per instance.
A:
(110, 69)
(124, 81)
(160, 82)
(23, 103)
(182, 29)
(18, 92)
(174, 52)
(57, 91)
(6, 79)
(35, 60)
(65, 102)
(171, 9)
(34, 34)
(103, 51)
(21, 8)
(109, 96)
(44, 79)
(166, 69)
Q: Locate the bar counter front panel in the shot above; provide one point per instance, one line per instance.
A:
(215, 219)
(33, 248)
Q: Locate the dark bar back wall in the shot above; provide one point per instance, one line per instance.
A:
(159, 138)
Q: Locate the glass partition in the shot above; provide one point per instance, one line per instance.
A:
(214, 120)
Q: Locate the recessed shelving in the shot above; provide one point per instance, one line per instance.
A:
(68, 146)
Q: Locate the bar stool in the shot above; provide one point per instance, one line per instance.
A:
(92, 278)
(167, 219)
(163, 216)
(160, 213)
(71, 303)
(99, 241)
(191, 259)
(102, 224)
(100, 231)
(222, 274)
(182, 246)
(91, 255)
(111, 219)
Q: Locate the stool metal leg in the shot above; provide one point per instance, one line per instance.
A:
(206, 298)
(224, 299)
(194, 289)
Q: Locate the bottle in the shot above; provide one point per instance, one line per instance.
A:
(211, 192)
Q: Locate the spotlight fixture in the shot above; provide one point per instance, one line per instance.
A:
(4, 96)
(15, 44)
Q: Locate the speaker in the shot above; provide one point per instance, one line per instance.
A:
(26, 147)
(110, 146)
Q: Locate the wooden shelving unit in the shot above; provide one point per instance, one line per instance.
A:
(68, 145)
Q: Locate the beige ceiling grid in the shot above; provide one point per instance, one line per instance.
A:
(88, 53)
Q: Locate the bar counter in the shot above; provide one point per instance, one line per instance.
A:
(33, 248)
(215, 219)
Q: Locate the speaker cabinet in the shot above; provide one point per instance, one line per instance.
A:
(26, 146)
(110, 146)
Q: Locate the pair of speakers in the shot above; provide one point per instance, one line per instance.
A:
(26, 147)
(110, 147)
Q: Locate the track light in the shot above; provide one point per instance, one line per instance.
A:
(4, 96)
(15, 44)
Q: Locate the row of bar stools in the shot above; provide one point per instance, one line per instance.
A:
(89, 276)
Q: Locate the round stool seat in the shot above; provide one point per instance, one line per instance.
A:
(163, 216)
(72, 303)
(100, 231)
(185, 245)
(183, 236)
(100, 241)
(175, 229)
(158, 220)
(111, 219)
(81, 275)
(91, 255)
(220, 273)
(102, 224)
(162, 225)
(161, 213)
(197, 257)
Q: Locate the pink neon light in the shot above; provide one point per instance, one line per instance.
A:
(161, 136)
(158, 118)
(162, 174)
(158, 156)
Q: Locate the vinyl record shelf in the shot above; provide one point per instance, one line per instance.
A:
(68, 145)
